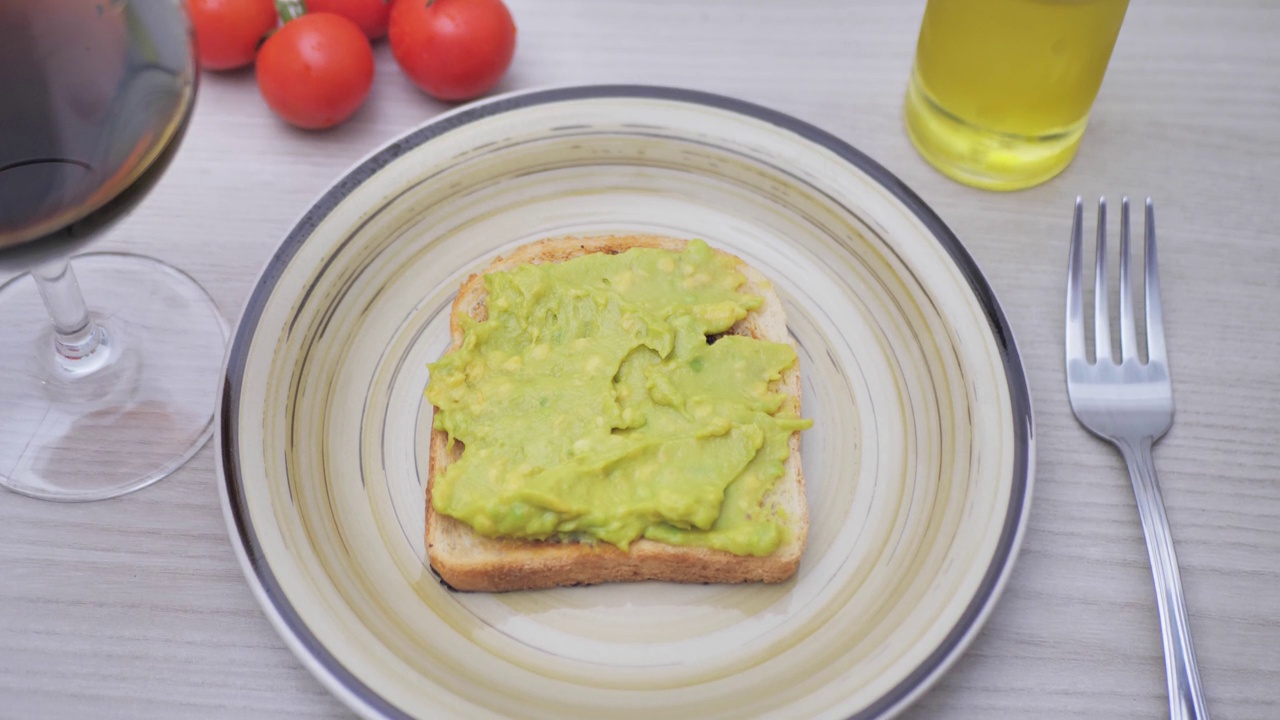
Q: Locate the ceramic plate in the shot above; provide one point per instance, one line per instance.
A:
(918, 468)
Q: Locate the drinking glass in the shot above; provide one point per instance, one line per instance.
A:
(1001, 89)
(102, 398)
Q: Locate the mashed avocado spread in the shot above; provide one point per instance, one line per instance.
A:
(592, 405)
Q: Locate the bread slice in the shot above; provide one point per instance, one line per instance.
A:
(466, 560)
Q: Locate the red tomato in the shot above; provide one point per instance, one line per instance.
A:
(316, 71)
(452, 49)
(370, 15)
(228, 31)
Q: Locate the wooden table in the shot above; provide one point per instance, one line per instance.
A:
(136, 608)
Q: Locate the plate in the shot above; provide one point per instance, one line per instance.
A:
(918, 468)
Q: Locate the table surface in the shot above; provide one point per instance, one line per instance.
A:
(136, 607)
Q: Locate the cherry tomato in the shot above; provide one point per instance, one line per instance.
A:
(228, 31)
(452, 49)
(370, 15)
(316, 71)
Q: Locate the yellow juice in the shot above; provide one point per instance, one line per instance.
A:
(1001, 89)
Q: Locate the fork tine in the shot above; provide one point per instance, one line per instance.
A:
(1075, 294)
(1101, 313)
(1128, 333)
(1155, 315)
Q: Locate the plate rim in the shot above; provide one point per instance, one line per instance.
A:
(343, 683)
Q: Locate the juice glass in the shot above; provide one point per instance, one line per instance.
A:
(1001, 89)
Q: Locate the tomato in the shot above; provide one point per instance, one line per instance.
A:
(452, 49)
(228, 31)
(316, 71)
(370, 15)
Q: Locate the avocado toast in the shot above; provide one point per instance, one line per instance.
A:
(513, 554)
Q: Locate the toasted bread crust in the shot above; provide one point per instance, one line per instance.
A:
(466, 560)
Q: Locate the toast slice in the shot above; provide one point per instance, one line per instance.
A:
(466, 560)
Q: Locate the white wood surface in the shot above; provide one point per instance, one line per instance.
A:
(136, 608)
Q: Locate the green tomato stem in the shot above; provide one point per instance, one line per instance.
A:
(290, 9)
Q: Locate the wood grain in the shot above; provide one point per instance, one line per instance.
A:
(135, 608)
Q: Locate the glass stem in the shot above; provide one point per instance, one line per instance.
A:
(77, 336)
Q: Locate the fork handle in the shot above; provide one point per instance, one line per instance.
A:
(1186, 696)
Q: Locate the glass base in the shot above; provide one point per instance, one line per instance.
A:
(980, 157)
(144, 405)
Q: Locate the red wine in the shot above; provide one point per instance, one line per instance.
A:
(94, 98)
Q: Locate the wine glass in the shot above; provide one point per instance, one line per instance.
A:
(103, 398)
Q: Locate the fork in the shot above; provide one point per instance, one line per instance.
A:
(1130, 404)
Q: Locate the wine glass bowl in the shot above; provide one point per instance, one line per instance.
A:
(110, 386)
(99, 94)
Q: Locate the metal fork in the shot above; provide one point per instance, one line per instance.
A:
(1130, 404)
